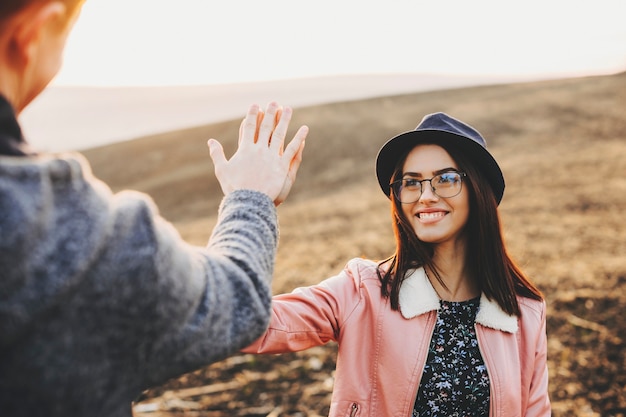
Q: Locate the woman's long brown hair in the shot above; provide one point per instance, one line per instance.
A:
(495, 272)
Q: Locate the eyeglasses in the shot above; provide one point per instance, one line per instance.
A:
(408, 190)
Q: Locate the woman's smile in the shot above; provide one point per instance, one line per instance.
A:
(429, 216)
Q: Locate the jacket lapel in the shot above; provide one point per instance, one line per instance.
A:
(417, 296)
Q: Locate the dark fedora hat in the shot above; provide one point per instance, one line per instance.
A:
(440, 128)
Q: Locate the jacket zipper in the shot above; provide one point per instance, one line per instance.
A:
(354, 409)
(430, 339)
(491, 387)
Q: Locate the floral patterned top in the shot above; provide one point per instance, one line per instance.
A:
(455, 380)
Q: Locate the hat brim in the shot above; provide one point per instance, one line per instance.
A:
(394, 148)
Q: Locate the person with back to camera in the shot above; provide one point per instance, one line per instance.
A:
(446, 326)
(100, 298)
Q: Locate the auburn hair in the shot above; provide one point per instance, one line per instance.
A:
(10, 7)
(495, 272)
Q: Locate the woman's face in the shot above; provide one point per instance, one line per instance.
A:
(435, 219)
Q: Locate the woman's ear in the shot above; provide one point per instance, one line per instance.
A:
(32, 27)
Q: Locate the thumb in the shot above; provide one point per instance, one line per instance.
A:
(216, 151)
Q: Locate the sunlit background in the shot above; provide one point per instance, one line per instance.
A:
(159, 42)
(219, 45)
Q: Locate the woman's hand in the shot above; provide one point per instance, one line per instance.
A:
(261, 162)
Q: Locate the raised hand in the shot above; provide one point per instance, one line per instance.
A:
(261, 162)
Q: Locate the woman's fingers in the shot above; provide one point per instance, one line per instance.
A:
(294, 164)
(296, 143)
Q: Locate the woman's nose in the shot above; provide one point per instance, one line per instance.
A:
(428, 193)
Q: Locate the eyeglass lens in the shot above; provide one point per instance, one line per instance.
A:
(446, 185)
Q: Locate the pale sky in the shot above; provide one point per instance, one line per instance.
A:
(187, 42)
(395, 46)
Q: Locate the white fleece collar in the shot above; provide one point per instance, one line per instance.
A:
(417, 296)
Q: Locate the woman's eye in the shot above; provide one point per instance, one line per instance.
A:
(447, 178)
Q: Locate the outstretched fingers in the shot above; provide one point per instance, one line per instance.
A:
(292, 158)
(248, 130)
(268, 124)
(297, 143)
(216, 151)
(277, 140)
(262, 162)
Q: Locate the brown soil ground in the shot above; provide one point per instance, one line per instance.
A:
(562, 147)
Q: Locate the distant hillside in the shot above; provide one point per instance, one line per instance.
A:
(175, 168)
(562, 147)
(67, 117)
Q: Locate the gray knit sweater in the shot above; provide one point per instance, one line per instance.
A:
(101, 299)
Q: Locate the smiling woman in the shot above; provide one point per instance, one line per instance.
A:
(148, 42)
(434, 223)
(448, 324)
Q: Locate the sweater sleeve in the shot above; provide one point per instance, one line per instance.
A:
(200, 304)
(101, 298)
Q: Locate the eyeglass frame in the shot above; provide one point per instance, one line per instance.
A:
(392, 185)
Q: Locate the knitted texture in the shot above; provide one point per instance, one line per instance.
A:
(100, 298)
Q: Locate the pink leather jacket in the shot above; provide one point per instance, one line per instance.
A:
(382, 352)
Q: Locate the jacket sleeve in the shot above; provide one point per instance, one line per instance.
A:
(538, 404)
(310, 316)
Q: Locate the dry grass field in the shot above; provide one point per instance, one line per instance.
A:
(562, 147)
